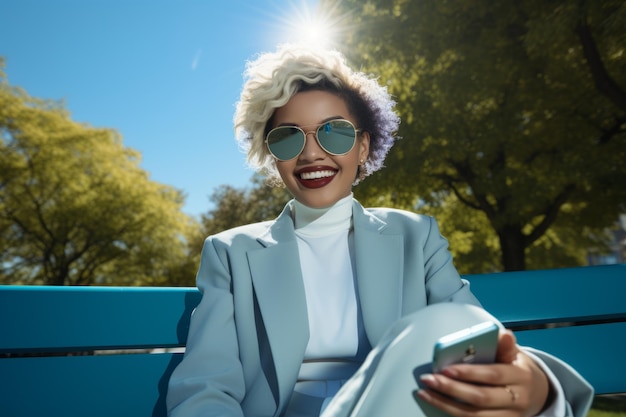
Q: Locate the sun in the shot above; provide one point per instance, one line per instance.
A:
(309, 22)
(314, 32)
(312, 27)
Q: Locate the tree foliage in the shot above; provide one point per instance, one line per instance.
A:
(76, 208)
(238, 206)
(516, 110)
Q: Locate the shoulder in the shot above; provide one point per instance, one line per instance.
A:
(255, 235)
(401, 222)
(402, 218)
(234, 243)
(247, 232)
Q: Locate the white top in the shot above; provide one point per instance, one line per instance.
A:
(328, 273)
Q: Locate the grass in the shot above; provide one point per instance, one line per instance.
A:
(608, 406)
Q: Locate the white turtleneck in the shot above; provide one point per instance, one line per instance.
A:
(323, 237)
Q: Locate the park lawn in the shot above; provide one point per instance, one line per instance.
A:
(608, 406)
(602, 413)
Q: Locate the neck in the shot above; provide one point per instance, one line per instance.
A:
(327, 219)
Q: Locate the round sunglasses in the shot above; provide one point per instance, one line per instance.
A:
(336, 137)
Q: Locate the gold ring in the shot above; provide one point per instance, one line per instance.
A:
(514, 394)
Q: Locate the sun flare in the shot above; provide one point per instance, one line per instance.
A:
(310, 22)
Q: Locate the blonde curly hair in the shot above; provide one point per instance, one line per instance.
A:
(273, 78)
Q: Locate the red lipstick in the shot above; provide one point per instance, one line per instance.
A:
(316, 177)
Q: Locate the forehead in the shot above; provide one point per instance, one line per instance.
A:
(311, 107)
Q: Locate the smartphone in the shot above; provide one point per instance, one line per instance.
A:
(476, 344)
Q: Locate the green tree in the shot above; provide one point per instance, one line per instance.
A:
(517, 109)
(239, 206)
(76, 208)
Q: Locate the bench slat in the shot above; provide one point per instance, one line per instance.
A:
(94, 386)
(595, 351)
(40, 318)
(553, 296)
(117, 382)
(63, 318)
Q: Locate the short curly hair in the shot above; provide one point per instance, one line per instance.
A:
(273, 78)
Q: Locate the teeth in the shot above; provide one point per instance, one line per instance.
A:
(316, 174)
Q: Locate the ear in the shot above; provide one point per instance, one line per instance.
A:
(364, 146)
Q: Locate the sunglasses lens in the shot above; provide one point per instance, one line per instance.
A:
(285, 142)
(337, 137)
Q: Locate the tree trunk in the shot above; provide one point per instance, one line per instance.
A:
(512, 245)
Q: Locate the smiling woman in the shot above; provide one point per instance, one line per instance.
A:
(294, 309)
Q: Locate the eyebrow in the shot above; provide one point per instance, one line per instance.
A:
(326, 120)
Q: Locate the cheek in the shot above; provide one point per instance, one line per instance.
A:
(284, 169)
(354, 160)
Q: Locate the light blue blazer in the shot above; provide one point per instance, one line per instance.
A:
(249, 333)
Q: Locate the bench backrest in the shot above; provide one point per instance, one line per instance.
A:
(122, 325)
(131, 331)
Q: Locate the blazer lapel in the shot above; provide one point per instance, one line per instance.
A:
(278, 285)
(379, 268)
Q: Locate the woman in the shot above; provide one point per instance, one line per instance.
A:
(291, 308)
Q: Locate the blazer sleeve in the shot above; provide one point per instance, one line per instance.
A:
(577, 392)
(443, 283)
(209, 381)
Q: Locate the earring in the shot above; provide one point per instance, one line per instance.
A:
(361, 171)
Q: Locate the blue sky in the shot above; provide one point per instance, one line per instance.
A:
(165, 74)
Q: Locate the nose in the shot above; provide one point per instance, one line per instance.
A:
(312, 149)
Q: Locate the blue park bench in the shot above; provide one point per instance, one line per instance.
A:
(105, 351)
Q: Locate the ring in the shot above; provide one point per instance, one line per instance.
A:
(514, 394)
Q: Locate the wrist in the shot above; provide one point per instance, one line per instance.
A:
(549, 398)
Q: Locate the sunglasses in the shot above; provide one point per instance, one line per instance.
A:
(336, 137)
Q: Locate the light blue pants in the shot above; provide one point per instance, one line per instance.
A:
(384, 384)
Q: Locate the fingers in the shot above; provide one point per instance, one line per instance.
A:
(514, 394)
(507, 347)
(495, 374)
(459, 409)
(463, 399)
(519, 388)
(514, 386)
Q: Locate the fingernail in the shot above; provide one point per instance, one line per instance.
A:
(450, 372)
(428, 379)
(423, 394)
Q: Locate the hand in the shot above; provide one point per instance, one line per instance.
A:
(514, 386)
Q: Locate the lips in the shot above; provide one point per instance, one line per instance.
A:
(316, 177)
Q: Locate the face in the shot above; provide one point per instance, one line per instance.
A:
(316, 178)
